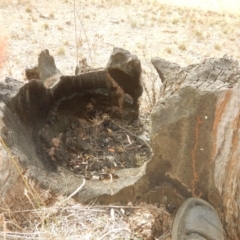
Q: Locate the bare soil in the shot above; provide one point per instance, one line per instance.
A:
(91, 29)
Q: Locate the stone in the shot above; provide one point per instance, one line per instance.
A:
(195, 137)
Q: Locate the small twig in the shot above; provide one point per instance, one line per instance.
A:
(152, 94)
(7, 209)
(16, 225)
(131, 207)
(134, 135)
(75, 26)
(111, 178)
(85, 33)
(31, 190)
(147, 93)
(112, 231)
(129, 140)
(4, 228)
(75, 192)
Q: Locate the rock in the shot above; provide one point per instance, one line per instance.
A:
(195, 137)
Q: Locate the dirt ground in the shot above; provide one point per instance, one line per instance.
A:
(72, 30)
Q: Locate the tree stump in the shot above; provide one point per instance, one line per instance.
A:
(195, 137)
(71, 128)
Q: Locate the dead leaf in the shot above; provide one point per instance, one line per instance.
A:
(111, 150)
(119, 150)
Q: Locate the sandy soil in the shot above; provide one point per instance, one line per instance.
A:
(147, 28)
(214, 5)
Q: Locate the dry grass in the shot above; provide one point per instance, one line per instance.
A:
(51, 15)
(28, 10)
(168, 50)
(45, 26)
(182, 46)
(30, 212)
(26, 214)
(217, 46)
(156, 24)
(61, 51)
(72, 221)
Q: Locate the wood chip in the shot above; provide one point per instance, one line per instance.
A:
(111, 150)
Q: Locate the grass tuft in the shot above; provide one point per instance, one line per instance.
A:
(61, 51)
(168, 50)
(28, 10)
(217, 46)
(46, 26)
(182, 47)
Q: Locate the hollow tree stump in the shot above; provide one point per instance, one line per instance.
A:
(70, 128)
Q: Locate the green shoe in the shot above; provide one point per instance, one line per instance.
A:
(196, 219)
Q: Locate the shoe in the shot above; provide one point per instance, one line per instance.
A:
(196, 219)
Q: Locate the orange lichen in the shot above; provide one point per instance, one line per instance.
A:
(220, 109)
(233, 165)
(193, 154)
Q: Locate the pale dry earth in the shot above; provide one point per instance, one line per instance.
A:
(214, 5)
(72, 30)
